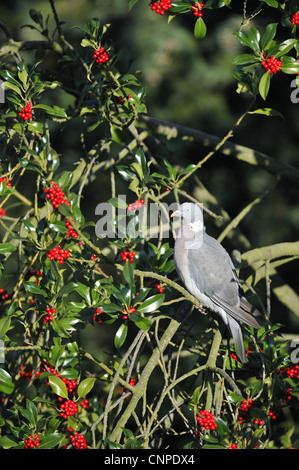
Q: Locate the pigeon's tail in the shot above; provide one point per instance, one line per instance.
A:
(237, 337)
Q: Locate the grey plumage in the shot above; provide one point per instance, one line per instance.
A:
(208, 273)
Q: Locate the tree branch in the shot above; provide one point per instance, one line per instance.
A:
(172, 130)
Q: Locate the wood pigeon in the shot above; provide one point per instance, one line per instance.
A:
(208, 273)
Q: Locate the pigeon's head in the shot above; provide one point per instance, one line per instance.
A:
(190, 212)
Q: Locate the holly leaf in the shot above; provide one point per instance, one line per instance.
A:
(264, 85)
(200, 29)
(58, 386)
(151, 304)
(120, 335)
(85, 387)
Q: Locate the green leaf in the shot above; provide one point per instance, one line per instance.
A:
(34, 289)
(128, 273)
(222, 428)
(36, 16)
(110, 308)
(35, 126)
(285, 47)
(9, 77)
(85, 387)
(118, 202)
(13, 87)
(84, 292)
(179, 7)
(264, 85)
(6, 384)
(7, 248)
(151, 304)
(271, 3)
(120, 335)
(244, 40)
(6, 442)
(141, 160)
(266, 112)
(30, 412)
(51, 440)
(235, 397)
(132, 3)
(268, 35)
(200, 29)
(254, 38)
(58, 386)
(52, 110)
(141, 322)
(4, 326)
(243, 59)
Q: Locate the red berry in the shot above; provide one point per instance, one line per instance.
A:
(160, 6)
(78, 441)
(206, 420)
(26, 112)
(101, 56)
(271, 65)
(197, 9)
(295, 19)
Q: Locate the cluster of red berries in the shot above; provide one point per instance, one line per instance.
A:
(206, 420)
(70, 384)
(128, 256)
(161, 6)
(26, 113)
(258, 422)
(272, 414)
(28, 374)
(95, 317)
(69, 408)
(244, 410)
(51, 369)
(295, 19)
(49, 316)
(4, 295)
(128, 311)
(121, 99)
(292, 372)
(101, 56)
(2, 211)
(271, 65)
(287, 395)
(233, 446)
(58, 254)
(32, 272)
(133, 382)
(159, 288)
(78, 441)
(85, 404)
(71, 232)
(136, 205)
(3, 178)
(56, 195)
(197, 9)
(32, 442)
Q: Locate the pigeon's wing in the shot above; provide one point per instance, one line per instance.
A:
(236, 312)
(211, 269)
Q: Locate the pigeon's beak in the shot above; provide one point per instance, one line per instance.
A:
(176, 214)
